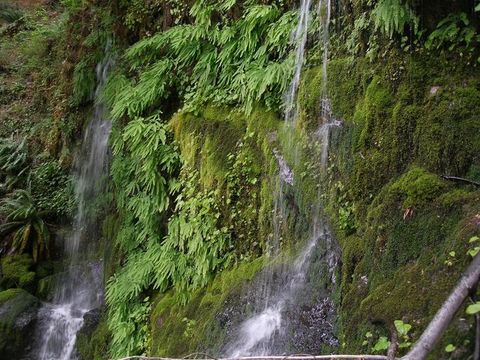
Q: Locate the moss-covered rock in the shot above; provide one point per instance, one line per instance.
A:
(407, 123)
(18, 310)
(17, 271)
(94, 337)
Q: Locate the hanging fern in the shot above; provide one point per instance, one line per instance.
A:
(391, 17)
(209, 61)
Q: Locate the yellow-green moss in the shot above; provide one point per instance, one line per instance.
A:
(178, 330)
(16, 270)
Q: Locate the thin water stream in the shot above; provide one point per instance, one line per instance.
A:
(262, 333)
(79, 288)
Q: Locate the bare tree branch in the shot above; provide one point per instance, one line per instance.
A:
(456, 178)
(445, 314)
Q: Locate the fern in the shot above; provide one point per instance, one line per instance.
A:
(24, 225)
(391, 17)
(210, 60)
(10, 13)
(454, 31)
(190, 250)
(13, 162)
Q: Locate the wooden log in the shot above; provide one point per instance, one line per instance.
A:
(293, 357)
(445, 314)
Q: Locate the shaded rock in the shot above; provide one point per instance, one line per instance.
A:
(90, 321)
(18, 315)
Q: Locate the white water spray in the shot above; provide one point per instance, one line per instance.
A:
(257, 334)
(299, 37)
(80, 288)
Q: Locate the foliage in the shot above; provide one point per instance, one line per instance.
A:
(346, 210)
(23, 223)
(144, 172)
(16, 271)
(403, 329)
(83, 81)
(473, 308)
(52, 189)
(9, 13)
(243, 200)
(391, 17)
(13, 162)
(73, 4)
(450, 348)
(381, 345)
(476, 249)
(455, 32)
(232, 62)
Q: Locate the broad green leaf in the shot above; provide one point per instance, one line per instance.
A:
(450, 348)
(473, 308)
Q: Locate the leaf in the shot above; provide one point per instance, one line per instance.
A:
(381, 345)
(473, 308)
(451, 253)
(473, 252)
(473, 239)
(402, 328)
(450, 348)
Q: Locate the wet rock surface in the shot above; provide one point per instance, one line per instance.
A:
(18, 317)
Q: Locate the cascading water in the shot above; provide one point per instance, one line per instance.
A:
(328, 121)
(80, 288)
(267, 331)
(300, 40)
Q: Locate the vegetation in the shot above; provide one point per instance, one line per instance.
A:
(196, 96)
(23, 223)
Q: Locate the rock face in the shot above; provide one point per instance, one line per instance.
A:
(18, 313)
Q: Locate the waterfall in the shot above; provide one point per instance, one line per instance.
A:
(299, 39)
(328, 121)
(266, 332)
(80, 288)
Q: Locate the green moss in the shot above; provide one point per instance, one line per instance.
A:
(446, 136)
(417, 187)
(9, 294)
(178, 330)
(16, 335)
(94, 345)
(16, 270)
(399, 136)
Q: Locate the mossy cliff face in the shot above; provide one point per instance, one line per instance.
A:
(403, 229)
(234, 154)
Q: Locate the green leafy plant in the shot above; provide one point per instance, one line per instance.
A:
(13, 162)
(451, 258)
(240, 62)
(391, 17)
(403, 329)
(10, 13)
(189, 327)
(381, 345)
(23, 223)
(368, 338)
(476, 248)
(473, 308)
(455, 33)
(52, 189)
(450, 348)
